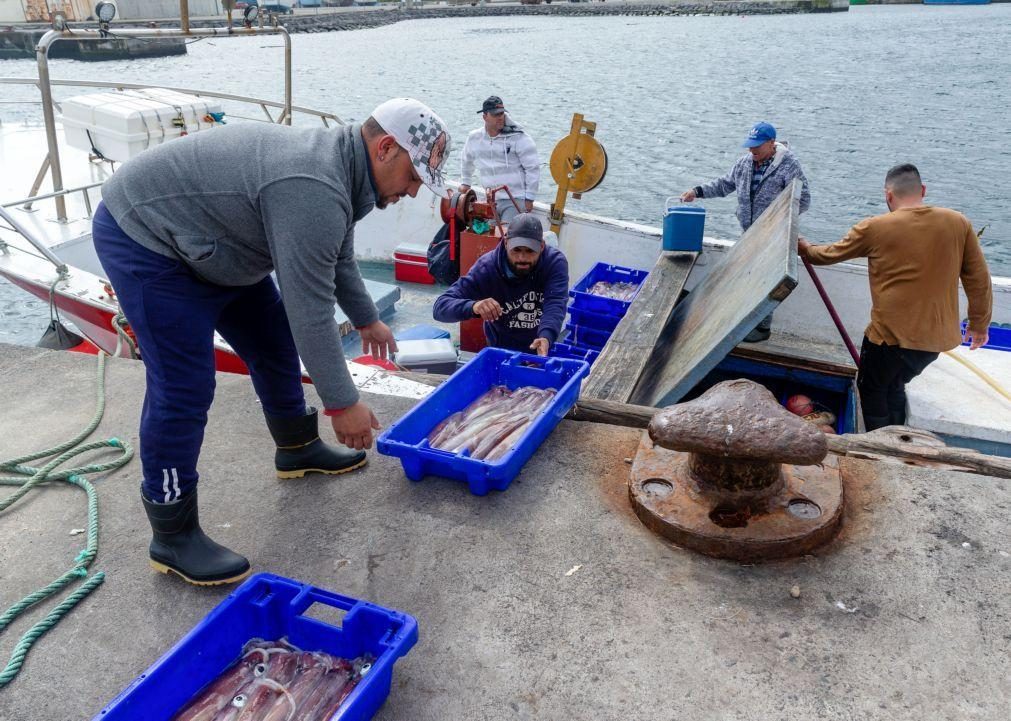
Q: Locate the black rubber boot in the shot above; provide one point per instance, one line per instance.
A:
(300, 450)
(761, 332)
(180, 545)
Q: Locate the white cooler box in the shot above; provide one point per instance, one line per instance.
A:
(119, 125)
(427, 356)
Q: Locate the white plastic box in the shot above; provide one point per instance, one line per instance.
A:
(427, 356)
(119, 125)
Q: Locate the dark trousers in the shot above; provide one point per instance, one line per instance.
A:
(881, 380)
(174, 315)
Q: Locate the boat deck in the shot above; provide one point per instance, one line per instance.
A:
(547, 601)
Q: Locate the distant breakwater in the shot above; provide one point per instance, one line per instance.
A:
(376, 18)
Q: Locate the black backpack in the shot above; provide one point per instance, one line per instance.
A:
(444, 258)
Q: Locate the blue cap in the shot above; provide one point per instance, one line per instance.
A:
(761, 133)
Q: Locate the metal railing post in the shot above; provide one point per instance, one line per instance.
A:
(287, 75)
(38, 182)
(42, 55)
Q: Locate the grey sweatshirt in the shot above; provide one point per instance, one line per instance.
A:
(238, 202)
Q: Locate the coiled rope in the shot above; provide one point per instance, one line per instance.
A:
(29, 477)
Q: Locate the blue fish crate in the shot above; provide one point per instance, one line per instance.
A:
(584, 300)
(271, 607)
(574, 352)
(407, 438)
(586, 337)
(597, 321)
(1000, 338)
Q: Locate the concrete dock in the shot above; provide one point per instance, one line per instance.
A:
(547, 601)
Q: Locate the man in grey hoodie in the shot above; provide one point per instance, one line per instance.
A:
(758, 178)
(188, 234)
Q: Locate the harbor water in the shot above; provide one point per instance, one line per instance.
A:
(853, 94)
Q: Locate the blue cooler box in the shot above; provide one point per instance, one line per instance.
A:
(271, 607)
(683, 226)
(407, 438)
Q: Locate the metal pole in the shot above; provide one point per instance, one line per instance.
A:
(184, 15)
(61, 267)
(42, 55)
(287, 75)
(38, 183)
(832, 312)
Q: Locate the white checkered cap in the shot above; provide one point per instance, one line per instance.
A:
(420, 132)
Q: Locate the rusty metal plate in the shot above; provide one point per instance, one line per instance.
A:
(803, 515)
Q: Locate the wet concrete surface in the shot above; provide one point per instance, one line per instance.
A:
(547, 601)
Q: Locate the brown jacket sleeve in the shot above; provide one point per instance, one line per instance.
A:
(855, 244)
(976, 281)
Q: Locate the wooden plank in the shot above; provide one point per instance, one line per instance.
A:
(905, 444)
(758, 272)
(624, 358)
(788, 360)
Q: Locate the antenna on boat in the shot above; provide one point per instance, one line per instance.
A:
(578, 165)
(184, 15)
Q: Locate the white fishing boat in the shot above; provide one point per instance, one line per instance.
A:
(49, 189)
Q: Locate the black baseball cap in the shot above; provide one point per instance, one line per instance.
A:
(492, 105)
(525, 231)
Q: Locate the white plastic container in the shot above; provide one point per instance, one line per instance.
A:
(119, 125)
(427, 356)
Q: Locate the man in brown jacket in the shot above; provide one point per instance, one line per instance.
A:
(916, 255)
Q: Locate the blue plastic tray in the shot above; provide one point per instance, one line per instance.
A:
(597, 303)
(271, 607)
(586, 337)
(564, 350)
(598, 321)
(1000, 338)
(407, 438)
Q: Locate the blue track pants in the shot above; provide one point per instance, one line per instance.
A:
(174, 314)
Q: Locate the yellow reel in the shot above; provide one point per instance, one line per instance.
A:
(578, 164)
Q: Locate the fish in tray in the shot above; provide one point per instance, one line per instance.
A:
(615, 290)
(492, 424)
(276, 681)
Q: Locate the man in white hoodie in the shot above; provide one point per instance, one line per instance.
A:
(503, 154)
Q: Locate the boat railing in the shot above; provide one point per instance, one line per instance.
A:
(61, 268)
(26, 203)
(52, 162)
(265, 106)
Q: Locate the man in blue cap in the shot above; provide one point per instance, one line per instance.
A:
(519, 289)
(758, 178)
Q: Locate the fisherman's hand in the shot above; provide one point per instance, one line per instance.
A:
(540, 346)
(377, 340)
(978, 338)
(802, 246)
(529, 205)
(688, 196)
(353, 427)
(488, 310)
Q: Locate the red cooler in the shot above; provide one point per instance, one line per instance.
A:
(410, 264)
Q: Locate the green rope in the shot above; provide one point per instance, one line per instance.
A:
(74, 476)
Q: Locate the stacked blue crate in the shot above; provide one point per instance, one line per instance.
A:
(592, 318)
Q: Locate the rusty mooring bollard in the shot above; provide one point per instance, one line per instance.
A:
(732, 474)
